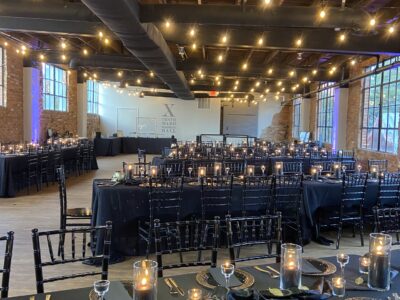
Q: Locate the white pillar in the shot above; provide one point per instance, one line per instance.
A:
(305, 114)
(82, 109)
(31, 104)
(339, 130)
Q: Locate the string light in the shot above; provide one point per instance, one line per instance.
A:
(63, 57)
(192, 81)
(63, 45)
(291, 73)
(126, 84)
(237, 82)
(353, 62)
(194, 46)
(120, 73)
(372, 22)
(258, 84)
(84, 74)
(322, 13)
(151, 74)
(305, 79)
(224, 39)
(244, 66)
(260, 41)
(299, 42)
(235, 87)
(252, 90)
(106, 41)
(279, 83)
(94, 75)
(200, 71)
(270, 71)
(342, 37)
(5, 44)
(283, 89)
(41, 57)
(192, 32)
(267, 2)
(138, 81)
(100, 34)
(85, 51)
(314, 72)
(167, 24)
(266, 91)
(391, 29)
(220, 58)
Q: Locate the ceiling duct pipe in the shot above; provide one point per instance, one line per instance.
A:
(143, 40)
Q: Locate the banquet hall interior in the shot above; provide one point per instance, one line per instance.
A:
(199, 149)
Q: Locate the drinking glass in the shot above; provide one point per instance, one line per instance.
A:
(227, 269)
(359, 167)
(343, 260)
(190, 169)
(344, 169)
(169, 169)
(227, 169)
(101, 287)
(263, 169)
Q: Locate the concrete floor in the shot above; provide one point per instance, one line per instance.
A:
(41, 210)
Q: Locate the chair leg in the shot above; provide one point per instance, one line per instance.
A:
(339, 234)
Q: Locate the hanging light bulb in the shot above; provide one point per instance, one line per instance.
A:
(291, 73)
(5, 44)
(270, 71)
(322, 13)
(244, 66)
(314, 72)
(138, 81)
(101, 34)
(267, 2)
(151, 74)
(41, 57)
(63, 45)
(85, 51)
(120, 73)
(194, 46)
(224, 39)
(94, 75)
(192, 32)
(258, 84)
(260, 41)
(167, 24)
(220, 58)
(266, 91)
(372, 22)
(63, 57)
(84, 74)
(192, 81)
(299, 42)
(391, 29)
(342, 37)
(353, 62)
(279, 83)
(237, 82)
(106, 41)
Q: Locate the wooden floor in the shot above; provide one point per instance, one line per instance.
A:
(41, 210)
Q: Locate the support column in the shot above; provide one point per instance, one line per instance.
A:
(339, 131)
(31, 105)
(82, 109)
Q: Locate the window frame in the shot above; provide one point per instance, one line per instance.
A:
(325, 107)
(376, 103)
(92, 90)
(56, 98)
(3, 81)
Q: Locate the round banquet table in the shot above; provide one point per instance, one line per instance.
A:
(125, 205)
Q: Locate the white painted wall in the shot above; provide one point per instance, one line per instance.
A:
(240, 119)
(155, 116)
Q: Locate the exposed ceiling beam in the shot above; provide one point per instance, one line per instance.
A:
(254, 71)
(317, 40)
(281, 16)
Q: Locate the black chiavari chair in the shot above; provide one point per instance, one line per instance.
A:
(57, 162)
(351, 208)
(85, 160)
(325, 165)
(91, 155)
(254, 231)
(349, 165)
(236, 167)
(5, 271)
(32, 171)
(70, 216)
(182, 237)
(79, 238)
(142, 163)
(344, 155)
(176, 167)
(382, 164)
(216, 196)
(43, 168)
(292, 167)
(387, 220)
(208, 164)
(288, 199)
(165, 199)
(257, 195)
(388, 190)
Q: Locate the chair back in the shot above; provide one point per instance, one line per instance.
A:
(387, 220)
(251, 231)
(236, 167)
(165, 198)
(209, 164)
(346, 154)
(349, 165)
(6, 269)
(257, 195)
(184, 237)
(326, 165)
(353, 188)
(78, 239)
(389, 190)
(216, 196)
(292, 167)
(176, 167)
(62, 193)
(287, 193)
(33, 163)
(382, 164)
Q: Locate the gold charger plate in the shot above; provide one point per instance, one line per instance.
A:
(326, 267)
(205, 279)
(148, 185)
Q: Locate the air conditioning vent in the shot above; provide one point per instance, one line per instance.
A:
(203, 103)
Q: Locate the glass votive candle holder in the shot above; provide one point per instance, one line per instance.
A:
(195, 294)
(364, 264)
(338, 286)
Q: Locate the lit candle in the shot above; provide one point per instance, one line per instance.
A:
(250, 170)
(290, 276)
(153, 171)
(217, 168)
(338, 286)
(314, 173)
(379, 267)
(279, 168)
(374, 172)
(195, 294)
(364, 264)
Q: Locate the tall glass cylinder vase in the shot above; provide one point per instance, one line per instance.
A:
(145, 280)
(290, 266)
(379, 267)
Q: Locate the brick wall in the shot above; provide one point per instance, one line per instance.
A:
(11, 116)
(93, 125)
(62, 121)
(281, 126)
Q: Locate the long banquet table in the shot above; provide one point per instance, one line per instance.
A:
(129, 145)
(125, 205)
(12, 166)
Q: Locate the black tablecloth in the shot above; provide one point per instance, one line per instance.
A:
(117, 292)
(125, 205)
(263, 281)
(130, 145)
(12, 167)
(107, 146)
